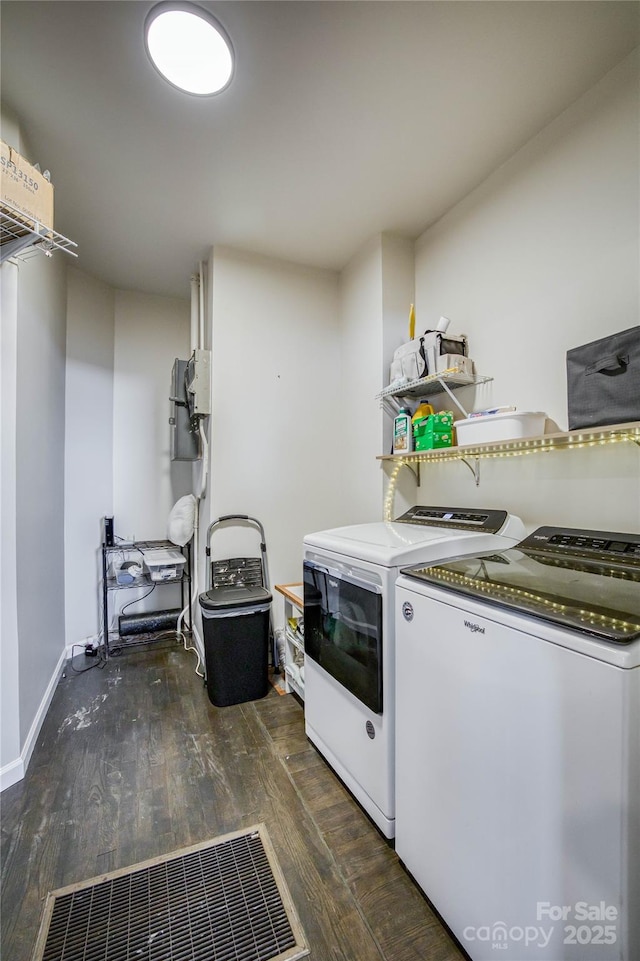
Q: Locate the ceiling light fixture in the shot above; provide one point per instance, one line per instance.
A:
(189, 48)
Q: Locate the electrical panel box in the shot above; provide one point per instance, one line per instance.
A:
(198, 382)
(185, 442)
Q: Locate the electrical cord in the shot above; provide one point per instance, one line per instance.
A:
(127, 545)
(100, 662)
(116, 651)
(137, 600)
(177, 635)
(190, 647)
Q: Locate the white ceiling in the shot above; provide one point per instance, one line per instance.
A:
(344, 119)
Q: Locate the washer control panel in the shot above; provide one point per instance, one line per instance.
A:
(607, 545)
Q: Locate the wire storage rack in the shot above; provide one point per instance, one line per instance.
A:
(113, 640)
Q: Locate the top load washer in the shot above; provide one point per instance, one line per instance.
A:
(518, 738)
(349, 596)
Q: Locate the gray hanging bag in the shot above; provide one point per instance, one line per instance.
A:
(603, 381)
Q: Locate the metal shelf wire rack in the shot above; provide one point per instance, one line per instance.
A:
(22, 237)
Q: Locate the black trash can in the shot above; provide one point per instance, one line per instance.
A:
(236, 643)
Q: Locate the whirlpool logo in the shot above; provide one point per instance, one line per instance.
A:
(407, 611)
(473, 627)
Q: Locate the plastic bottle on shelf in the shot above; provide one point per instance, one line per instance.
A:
(402, 432)
(422, 410)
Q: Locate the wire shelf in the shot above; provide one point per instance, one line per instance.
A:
(433, 383)
(22, 237)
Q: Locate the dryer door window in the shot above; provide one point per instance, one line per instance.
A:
(343, 630)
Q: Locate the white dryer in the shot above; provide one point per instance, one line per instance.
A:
(518, 736)
(349, 594)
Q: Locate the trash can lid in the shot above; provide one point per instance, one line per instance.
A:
(219, 598)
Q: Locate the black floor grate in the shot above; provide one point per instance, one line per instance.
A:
(225, 900)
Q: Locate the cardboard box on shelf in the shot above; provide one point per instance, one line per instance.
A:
(25, 195)
(434, 431)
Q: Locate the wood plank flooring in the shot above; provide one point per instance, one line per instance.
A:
(133, 761)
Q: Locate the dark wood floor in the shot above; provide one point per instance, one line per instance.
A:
(133, 762)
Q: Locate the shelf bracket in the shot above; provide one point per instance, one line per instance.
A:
(14, 247)
(391, 405)
(474, 470)
(415, 470)
(454, 399)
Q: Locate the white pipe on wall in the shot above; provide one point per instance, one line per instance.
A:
(201, 305)
(194, 310)
(204, 447)
(197, 341)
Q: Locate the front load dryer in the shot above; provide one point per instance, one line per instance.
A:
(349, 596)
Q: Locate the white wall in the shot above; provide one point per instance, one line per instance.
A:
(89, 448)
(542, 257)
(33, 378)
(40, 445)
(361, 344)
(277, 429)
(398, 293)
(150, 332)
(120, 351)
(376, 290)
(10, 745)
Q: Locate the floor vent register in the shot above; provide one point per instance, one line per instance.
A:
(224, 900)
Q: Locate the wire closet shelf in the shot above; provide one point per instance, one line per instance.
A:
(22, 237)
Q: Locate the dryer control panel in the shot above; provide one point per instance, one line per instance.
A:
(471, 519)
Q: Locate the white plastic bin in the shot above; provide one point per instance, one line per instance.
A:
(164, 564)
(508, 425)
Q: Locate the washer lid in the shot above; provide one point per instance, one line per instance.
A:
(392, 543)
(584, 580)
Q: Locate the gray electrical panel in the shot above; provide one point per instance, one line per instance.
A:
(185, 443)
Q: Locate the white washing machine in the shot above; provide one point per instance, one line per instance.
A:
(349, 593)
(518, 745)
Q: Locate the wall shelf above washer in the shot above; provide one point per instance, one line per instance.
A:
(585, 437)
(564, 440)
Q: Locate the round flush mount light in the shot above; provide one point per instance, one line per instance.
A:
(189, 48)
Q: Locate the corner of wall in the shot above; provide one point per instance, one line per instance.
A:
(15, 770)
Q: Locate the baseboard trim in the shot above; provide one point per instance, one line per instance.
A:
(15, 770)
(11, 773)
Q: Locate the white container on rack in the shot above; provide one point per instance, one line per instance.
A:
(164, 564)
(507, 425)
(402, 432)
